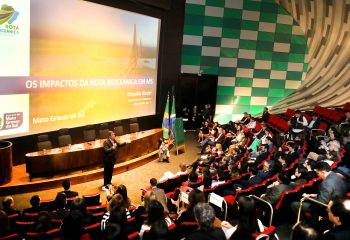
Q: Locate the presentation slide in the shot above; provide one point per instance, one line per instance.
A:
(68, 63)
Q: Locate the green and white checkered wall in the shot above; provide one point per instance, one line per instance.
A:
(255, 47)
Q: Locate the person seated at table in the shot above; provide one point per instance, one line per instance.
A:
(69, 193)
(187, 215)
(35, 202)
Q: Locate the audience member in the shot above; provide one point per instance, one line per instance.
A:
(298, 124)
(195, 196)
(115, 202)
(339, 214)
(168, 174)
(44, 223)
(80, 205)
(302, 231)
(300, 176)
(72, 227)
(9, 206)
(112, 232)
(205, 216)
(121, 189)
(275, 190)
(310, 166)
(35, 202)
(247, 221)
(331, 187)
(155, 213)
(66, 186)
(159, 193)
(265, 115)
(243, 184)
(61, 212)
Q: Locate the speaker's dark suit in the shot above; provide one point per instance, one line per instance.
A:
(109, 159)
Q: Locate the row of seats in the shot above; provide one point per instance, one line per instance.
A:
(89, 134)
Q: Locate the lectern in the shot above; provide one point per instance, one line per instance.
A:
(5, 162)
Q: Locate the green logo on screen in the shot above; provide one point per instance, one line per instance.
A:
(8, 15)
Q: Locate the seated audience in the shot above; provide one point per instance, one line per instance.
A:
(245, 119)
(247, 221)
(332, 186)
(300, 176)
(302, 231)
(266, 172)
(159, 193)
(339, 214)
(121, 189)
(4, 224)
(112, 231)
(216, 138)
(66, 186)
(243, 184)
(61, 212)
(252, 124)
(9, 206)
(297, 124)
(155, 213)
(44, 223)
(35, 202)
(80, 205)
(265, 115)
(275, 190)
(205, 216)
(168, 174)
(159, 231)
(118, 216)
(72, 227)
(115, 202)
(194, 197)
(310, 166)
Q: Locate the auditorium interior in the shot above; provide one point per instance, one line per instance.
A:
(214, 119)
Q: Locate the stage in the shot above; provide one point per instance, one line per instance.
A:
(142, 149)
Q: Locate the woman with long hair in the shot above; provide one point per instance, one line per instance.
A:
(247, 221)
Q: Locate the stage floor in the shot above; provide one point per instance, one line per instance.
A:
(21, 183)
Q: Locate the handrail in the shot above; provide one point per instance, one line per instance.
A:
(269, 204)
(311, 200)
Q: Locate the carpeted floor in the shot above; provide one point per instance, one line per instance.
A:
(134, 179)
